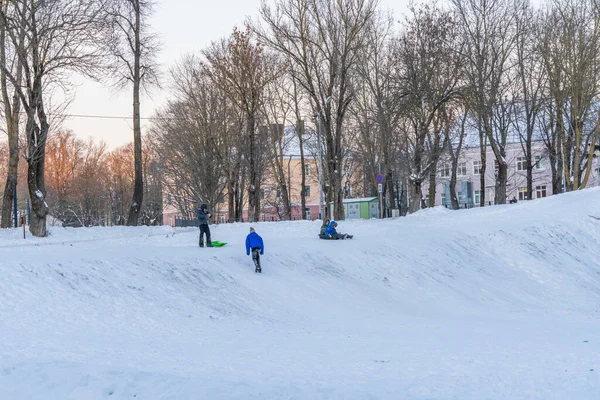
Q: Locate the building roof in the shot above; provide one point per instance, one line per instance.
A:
(359, 200)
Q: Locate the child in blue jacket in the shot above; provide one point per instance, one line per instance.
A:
(255, 243)
(332, 233)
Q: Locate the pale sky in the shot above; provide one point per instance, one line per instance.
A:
(185, 26)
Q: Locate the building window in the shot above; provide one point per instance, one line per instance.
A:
(461, 170)
(540, 162)
(477, 197)
(307, 213)
(262, 194)
(522, 193)
(307, 169)
(443, 198)
(306, 191)
(169, 200)
(278, 192)
(540, 191)
(445, 171)
(521, 164)
(477, 167)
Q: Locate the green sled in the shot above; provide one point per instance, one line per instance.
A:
(216, 243)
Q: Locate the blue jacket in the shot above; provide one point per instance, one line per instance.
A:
(330, 229)
(252, 241)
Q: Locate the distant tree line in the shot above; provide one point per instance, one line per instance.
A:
(356, 86)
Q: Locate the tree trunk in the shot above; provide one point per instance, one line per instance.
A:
(530, 166)
(36, 151)
(415, 196)
(8, 197)
(389, 187)
(253, 189)
(12, 131)
(432, 183)
(338, 196)
(590, 159)
(239, 191)
(483, 169)
(11, 179)
(230, 198)
(37, 194)
(500, 195)
(300, 133)
(287, 212)
(138, 188)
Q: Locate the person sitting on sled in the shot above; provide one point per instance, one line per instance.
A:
(324, 227)
(332, 233)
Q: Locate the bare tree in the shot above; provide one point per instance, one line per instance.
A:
(242, 69)
(184, 137)
(488, 32)
(529, 84)
(134, 51)
(428, 64)
(61, 36)
(571, 51)
(455, 148)
(321, 38)
(277, 110)
(152, 210)
(120, 176)
(12, 108)
(376, 110)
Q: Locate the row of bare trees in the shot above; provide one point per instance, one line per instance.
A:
(392, 99)
(497, 71)
(231, 105)
(397, 100)
(89, 185)
(42, 44)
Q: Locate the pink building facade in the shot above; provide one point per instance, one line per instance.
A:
(468, 185)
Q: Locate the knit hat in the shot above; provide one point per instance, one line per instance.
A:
(251, 229)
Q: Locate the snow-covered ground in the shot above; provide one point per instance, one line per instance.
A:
(493, 303)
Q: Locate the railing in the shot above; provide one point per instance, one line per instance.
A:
(187, 222)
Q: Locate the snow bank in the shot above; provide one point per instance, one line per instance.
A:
(498, 302)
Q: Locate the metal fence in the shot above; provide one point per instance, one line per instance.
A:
(186, 222)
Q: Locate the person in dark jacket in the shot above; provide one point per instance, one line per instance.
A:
(255, 244)
(203, 215)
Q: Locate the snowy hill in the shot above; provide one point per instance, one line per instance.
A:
(493, 303)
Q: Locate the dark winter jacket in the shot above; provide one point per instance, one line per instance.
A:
(331, 229)
(203, 216)
(252, 241)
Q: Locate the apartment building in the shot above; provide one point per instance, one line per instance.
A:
(468, 185)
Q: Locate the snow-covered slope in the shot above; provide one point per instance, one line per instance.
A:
(492, 303)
